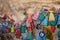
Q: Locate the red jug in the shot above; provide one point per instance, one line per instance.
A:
(18, 33)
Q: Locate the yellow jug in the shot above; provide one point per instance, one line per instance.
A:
(51, 16)
(12, 29)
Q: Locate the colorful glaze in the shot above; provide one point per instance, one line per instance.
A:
(29, 18)
(23, 28)
(17, 26)
(52, 29)
(37, 36)
(30, 37)
(28, 24)
(44, 38)
(36, 15)
(12, 29)
(4, 25)
(51, 17)
(54, 22)
(45, 21)
(32, 25)
(24, 36)
(18, 33)
(42, 15)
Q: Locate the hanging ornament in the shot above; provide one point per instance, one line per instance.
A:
(6, 30)
(29, 18)
(18, 33)
(4, 25)
(52, 29)
(23, 28)
(45, 21)
(51, 17)
(30, 37)
(17, 26)
(49, 34)
(12, 29)
(58, 35)
(24, 36)
(54, 22)
(58, 24)
(42, 15)
(44, 38)
(32, 25)
(36, 15)
(37, 36)
(48, 27)
(10, 24)
(28, 26)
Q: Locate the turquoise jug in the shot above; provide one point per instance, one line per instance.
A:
(58, 34)
(23, 28)
(42, 15)
(30, 36)
(44, 38)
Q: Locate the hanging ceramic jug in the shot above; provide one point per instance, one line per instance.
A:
(30, 37)
(54, 22)
(36, 15)
(17, 26)
(49, 34)
(28, 26)
(6, 30)
(23, 28)
(12, 29)
(58, 24)
(18, 33)
(24, 36)
(42, 15)
(10, 24)
(52, 29)
(44, 37)
(3, 26)
(51, 17)
(32, 25)
(48, 27)
(58, 35)
(37, 36)
(29, 18)
(45, 21)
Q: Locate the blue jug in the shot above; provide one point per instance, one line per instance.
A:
(45, 21)
(24, 36)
